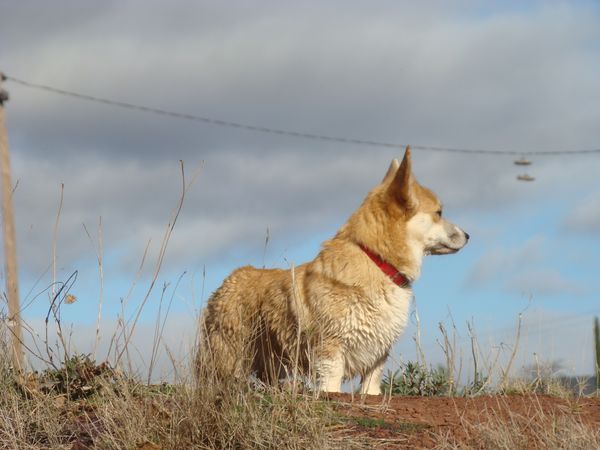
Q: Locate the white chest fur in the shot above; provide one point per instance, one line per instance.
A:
(373, 325)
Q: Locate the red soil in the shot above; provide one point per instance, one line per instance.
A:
(418, 422)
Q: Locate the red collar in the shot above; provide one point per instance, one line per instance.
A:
(396, 276)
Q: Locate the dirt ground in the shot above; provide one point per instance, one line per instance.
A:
(422, 422)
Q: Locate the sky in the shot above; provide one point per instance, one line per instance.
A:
(508, 76)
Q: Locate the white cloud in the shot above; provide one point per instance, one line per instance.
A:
(524, 269)
(407, 75)
(446, 74)
(544, 282)
(585, 216)
(501, 261)
(454, 75)
(81, 340)
(546, 337)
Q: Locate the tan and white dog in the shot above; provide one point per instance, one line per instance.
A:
(338, 315)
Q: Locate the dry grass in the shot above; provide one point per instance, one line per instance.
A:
(93, 406)
(552, 386)
(85, 405)
(77, 404)
(110, 410)
(538, 428)
(518, 432)
(81, 404)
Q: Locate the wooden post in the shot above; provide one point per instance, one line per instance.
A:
(10, 249)
(597, 351)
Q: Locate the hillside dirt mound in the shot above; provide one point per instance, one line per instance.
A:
(476, 422)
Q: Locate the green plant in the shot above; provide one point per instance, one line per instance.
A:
(479, 385)
(369, 422)
(79, 377)
(416, 379)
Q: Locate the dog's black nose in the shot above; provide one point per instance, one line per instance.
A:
(467, 235)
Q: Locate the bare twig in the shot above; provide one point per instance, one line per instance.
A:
(417, 337)
(265, 248)
(120, 329)
(159, 261)
(155, 338)
(506, 372)
(160, 327)
(296, 299)
(54, 310)
(55, 236)
(474, 353)
(99, 257)
(27, 328)
(449, 352)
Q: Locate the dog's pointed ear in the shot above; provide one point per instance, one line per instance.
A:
(402, 188)
(391, 171)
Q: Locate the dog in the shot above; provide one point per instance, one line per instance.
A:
(337, 316)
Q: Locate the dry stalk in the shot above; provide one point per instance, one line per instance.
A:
(159, 263)
(417, 337)
(449, 352)
(506, 373)
(54, 309)
(120, 327)
(55, 238)
(298, 331)
(99, 249)
(267, 237)
(474, 354)
(160, 327)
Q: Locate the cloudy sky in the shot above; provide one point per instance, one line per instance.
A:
(515, 76)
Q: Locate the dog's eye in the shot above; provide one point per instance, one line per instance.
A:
(439, 213)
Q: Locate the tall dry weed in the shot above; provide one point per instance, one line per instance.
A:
(39, 411)
(533, 426)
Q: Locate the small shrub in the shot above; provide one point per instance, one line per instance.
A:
(80, 377)
(417, 380)
(478, 386)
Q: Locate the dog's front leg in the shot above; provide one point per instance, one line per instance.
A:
(371, 382)
(331, 374)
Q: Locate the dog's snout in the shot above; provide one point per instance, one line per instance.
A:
(467, 236)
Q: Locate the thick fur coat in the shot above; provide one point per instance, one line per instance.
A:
(337, 316)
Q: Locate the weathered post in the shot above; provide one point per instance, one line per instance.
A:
(597, 351)
(10, 249)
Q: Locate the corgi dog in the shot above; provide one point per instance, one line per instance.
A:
(337, 316)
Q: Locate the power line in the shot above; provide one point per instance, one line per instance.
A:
(282, 132)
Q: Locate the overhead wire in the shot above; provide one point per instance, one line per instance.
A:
(279, 131)
(556, 322)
